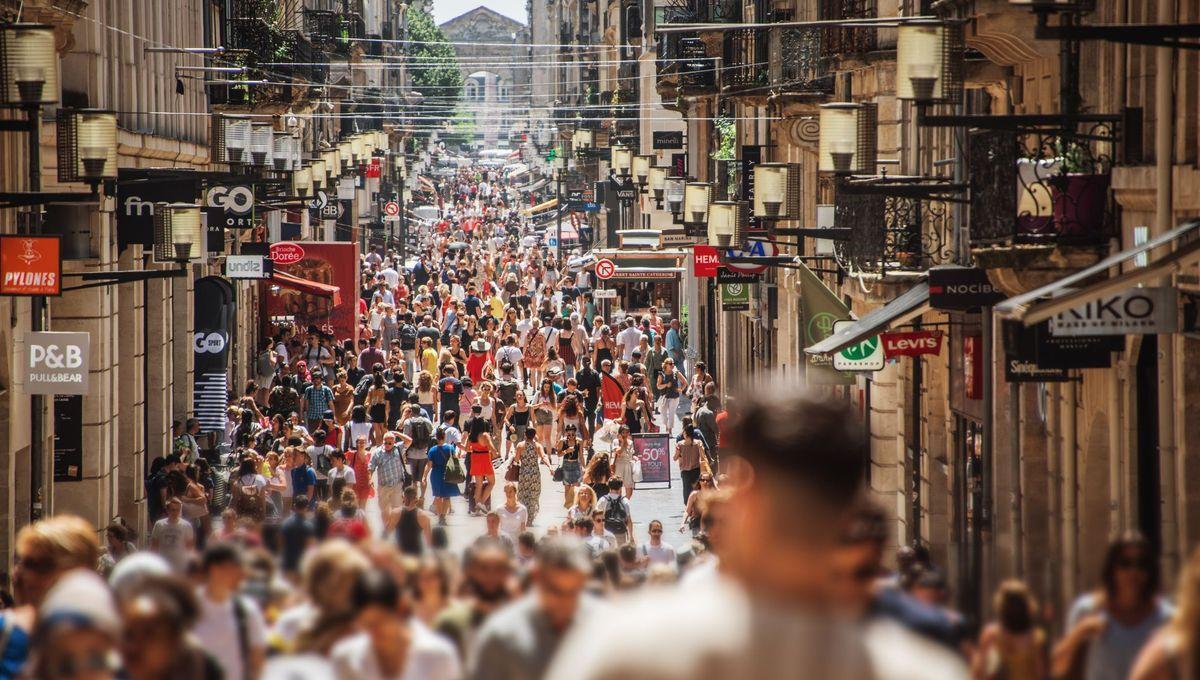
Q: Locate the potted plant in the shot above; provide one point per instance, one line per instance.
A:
(1079, 192)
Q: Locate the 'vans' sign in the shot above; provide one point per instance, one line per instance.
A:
(1136, 311)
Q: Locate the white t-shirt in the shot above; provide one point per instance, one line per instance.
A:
(523, 328)
(513, 522)
(217, 630)
(173, 540)
(429, 657)
(660, 554)
(346, 473)
(629, 339)
(713, 632)
(391, 276)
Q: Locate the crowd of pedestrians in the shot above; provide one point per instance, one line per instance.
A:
(312, 538)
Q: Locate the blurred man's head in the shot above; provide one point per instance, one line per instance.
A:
(48, 549)
(796, 464)
(560, 575)
(487, 570)
(857, 559)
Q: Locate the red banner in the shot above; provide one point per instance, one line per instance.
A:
(911, 343)
(334, 264)
(706, 261)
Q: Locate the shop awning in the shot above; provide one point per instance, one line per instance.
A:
(540, 207)
(900, 310)
(534, 186)
(426, 183)
(306, 286)
(1049, 300)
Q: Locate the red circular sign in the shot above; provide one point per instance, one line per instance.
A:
(286, 253)
(605, 269)
(391, 208)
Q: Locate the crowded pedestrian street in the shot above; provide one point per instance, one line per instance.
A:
(539, 340)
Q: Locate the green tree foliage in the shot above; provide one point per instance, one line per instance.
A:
(435, 72)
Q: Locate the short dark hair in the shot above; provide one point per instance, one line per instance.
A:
(1113, 558)
(220, 553)
(802, 439)
(376, 587)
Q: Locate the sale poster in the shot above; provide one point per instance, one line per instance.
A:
(654, 452)
(329, 263)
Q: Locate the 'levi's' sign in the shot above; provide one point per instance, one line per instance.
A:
(911, 344)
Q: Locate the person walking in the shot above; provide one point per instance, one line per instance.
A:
(530, 456)
(387, 463)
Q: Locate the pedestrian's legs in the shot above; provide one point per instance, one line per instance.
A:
(670, 406)
(390, 498)
(687, 479)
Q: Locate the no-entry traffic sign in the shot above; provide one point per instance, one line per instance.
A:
(391, 208)
(605, 269)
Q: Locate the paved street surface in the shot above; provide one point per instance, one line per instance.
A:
(664, 504)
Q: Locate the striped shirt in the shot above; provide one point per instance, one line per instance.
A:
(389, 464)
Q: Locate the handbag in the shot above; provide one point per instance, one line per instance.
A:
(635, 470)
(557, 475)
(455, 472)
(513, 473)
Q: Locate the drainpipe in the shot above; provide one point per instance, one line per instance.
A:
(1171, 468)
(1070, 483)
(1053, 585)
(1016, 483)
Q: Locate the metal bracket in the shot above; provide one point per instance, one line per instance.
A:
(112, 278)
(1154, 35)
(24, 199)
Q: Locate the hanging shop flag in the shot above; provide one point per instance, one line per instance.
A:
(706, 261)
(56, 363)
(819, 309)
(911, 343)
(214, 317)
(139, 189)
(961, 289)
(30, 265)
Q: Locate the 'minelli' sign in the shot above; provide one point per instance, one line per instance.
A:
(911, 344)
(1136, 311)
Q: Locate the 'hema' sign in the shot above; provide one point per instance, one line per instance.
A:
(56, 363)
(1136, 311)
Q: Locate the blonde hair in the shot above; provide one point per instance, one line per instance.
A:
(69, 541)
(424, 381)
(586, 491)
(329, 574)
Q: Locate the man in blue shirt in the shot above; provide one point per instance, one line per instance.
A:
(675, 344)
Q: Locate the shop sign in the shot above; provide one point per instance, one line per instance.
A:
(1136, 311)
(232, 205)
(604, 294)
(1018, 370)
(753, 249)
(30, 265)
(735, 297)
(668, 139)
(248, 267)
(647, 274)
(751, 156)
(56, 363)
(729, 276)
(1038, 345)
(864, 356)
(961, 289)
(138, 190)
(654, 452)
(374, 170)
(286, 253)
(706, 261)
(911, 343)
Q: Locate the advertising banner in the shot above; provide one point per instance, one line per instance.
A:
(138, 189)
(735, 297)
(30, 265)
(324, 262)
(961, 289)
(819, 309)
(214, 317)
(706, 261)
(56, 363)
(654, 452)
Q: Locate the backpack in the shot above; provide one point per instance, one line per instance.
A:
(422, 433)
(408, 336)
(506, 391)
(615, 514)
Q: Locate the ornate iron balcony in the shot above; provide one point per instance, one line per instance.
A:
(798, 65)
(892, 233)
(746, 63)
(1041, 187)
(839, 41)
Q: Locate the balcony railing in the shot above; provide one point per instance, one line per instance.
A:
(891, 233)
(702, 11)
(747, 58)
(1043, 187)
(334, 30)
(840, 41)
(797, 64)
(250, 23)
